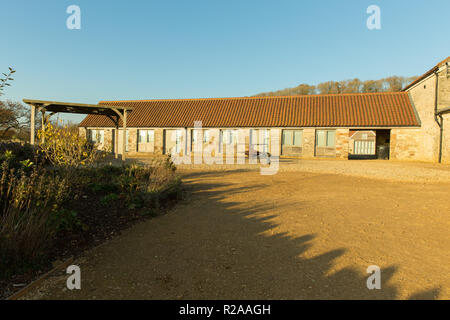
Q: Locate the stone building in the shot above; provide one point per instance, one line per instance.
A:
(410, 125)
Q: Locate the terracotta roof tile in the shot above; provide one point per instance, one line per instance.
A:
(340, 110)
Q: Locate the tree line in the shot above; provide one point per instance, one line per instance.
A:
(390, 84)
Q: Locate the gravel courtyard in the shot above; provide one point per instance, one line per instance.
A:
(308, 232)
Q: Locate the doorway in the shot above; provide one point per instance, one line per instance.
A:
(383, 143)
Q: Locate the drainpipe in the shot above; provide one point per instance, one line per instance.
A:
(438, 117)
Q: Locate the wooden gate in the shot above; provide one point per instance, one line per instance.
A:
(364, 147)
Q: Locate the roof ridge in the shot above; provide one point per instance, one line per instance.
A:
(426, 74)
(262, 97)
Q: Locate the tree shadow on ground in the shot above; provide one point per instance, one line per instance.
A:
(259, 263)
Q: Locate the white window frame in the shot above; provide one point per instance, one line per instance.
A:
(97, 136)
(206, 135)
(327, 140)
(149, 136)
(178, 140)
(291, 143)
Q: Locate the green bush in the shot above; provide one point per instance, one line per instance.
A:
(106, 200)
(21, 152)
(19, 156)
(146, 185)
(65, 220)
(104, 187)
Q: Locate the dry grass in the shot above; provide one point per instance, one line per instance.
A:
(27, 202)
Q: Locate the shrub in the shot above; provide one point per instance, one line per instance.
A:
(65, 220)
(109, 198)
(145, 185)
(27, 202)
(32, 214)
(21, 152)
(66, 148)
(19, 156)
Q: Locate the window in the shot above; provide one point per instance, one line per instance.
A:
(233, 137)
(292, 138)
(194, 136)
(206, 136)
(260, 136)
(325, 138)
(229, 136)
(142, 136)
(260, 139)
(146, 136)
(179, 134)
(97, 136)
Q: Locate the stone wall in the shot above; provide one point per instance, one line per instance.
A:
(342, 143)
(444, 102)
(309, 141)
(108, 139)
(406, 144)
(162, 141)
(444, 89)
(422, 143)
(82, 132)
(446, 139)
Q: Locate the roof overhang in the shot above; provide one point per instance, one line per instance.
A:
(81, 108)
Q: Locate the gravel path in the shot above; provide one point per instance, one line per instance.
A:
(294, 235)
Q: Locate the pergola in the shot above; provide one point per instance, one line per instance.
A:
(115, 113)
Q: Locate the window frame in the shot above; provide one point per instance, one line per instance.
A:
(146, 136)
(96, 136)
(326, 138)
(206, 136)
(292, 139)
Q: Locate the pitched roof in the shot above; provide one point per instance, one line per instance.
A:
(338, 110)
(428, 73)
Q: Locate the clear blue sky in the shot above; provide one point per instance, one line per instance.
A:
(191, 49)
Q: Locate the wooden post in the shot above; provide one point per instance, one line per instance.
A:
(43, 125)
(116, 141)
(124, 135)
(32, 124)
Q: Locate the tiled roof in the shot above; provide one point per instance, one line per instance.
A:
(339, 110)
(428, 73)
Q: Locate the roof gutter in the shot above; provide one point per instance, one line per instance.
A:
(445, 110)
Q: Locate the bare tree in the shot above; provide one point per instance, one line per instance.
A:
(4, 82)
(13, 115)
